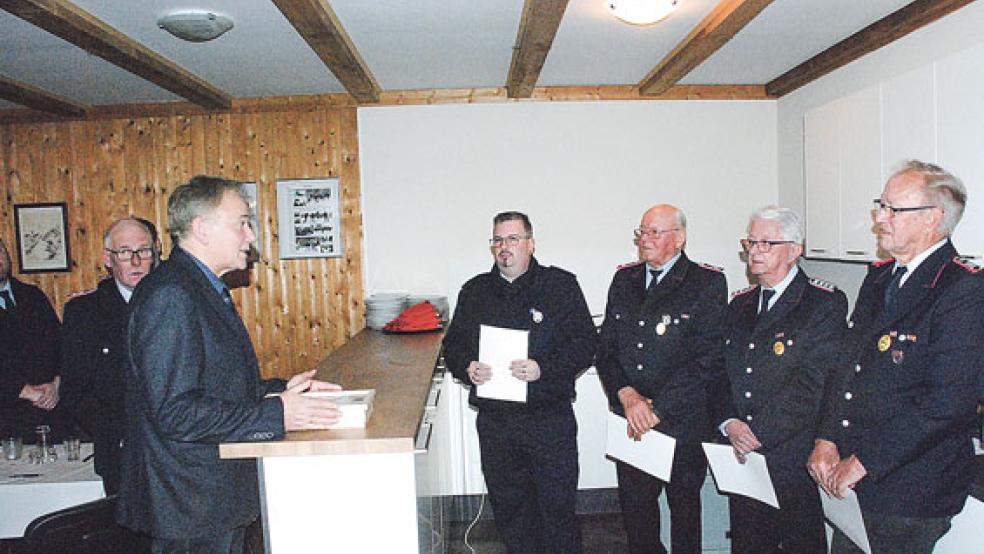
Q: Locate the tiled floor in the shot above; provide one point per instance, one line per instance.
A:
(600, 533)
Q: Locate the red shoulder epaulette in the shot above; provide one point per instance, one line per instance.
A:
(630, 264)
(711, 267)
(743, 292)
(880, 263)
(967, 263)
(80, 293)
(826, 286)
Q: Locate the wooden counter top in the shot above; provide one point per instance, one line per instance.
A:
(399, 367)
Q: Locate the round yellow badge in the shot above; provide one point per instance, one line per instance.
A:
(884, 342)
(778, 348)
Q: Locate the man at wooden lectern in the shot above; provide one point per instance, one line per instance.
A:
(192, 382)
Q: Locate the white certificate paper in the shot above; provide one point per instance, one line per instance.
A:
(845, 514)
(652, 454)
(749, 479)
(498, 347)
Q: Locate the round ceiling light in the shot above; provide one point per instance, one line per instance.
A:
(642, 12)
(195, 26)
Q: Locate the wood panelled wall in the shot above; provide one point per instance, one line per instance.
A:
(297, 311)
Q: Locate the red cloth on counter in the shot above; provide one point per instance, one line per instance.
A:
(419, 317)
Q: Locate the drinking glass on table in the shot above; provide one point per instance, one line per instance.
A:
(12, 448)
(46, 452)
(73, 449)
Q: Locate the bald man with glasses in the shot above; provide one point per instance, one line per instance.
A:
(781, 337)
(897, 425)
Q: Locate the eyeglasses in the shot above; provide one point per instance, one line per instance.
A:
(126, 255)
(891, 211)
(764, 246)
(652, 233)
(510, 240)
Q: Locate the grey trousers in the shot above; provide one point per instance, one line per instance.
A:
(894, 534)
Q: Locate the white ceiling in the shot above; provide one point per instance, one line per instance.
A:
(421, 44)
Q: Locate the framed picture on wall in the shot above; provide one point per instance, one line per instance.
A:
(309, 218)
(42, 237)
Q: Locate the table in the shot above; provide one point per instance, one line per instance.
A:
(60, 485)
(351, 490)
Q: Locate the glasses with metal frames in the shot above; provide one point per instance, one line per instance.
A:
(126, 254)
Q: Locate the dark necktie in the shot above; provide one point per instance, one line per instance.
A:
(8, 302)
(654, 281)
(892, 289)
(767, 295)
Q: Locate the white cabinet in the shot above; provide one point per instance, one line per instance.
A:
(842, 162)
(960, 97)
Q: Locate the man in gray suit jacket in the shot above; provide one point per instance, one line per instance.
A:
(192, 382)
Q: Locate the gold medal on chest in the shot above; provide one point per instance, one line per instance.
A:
(778, 348)
(660, 328)
(884, 342)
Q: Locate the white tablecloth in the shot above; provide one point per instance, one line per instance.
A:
(59, 485)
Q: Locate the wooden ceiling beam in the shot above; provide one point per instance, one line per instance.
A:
(77, 26)
(318, 25)
(884, 31)
(537, 29)
(35, 98)
(716, 29)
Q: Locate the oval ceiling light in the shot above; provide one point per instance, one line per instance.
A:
(195, 26)
(642, 12)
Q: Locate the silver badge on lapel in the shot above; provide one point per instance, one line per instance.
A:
(537, 315)
(897, 356)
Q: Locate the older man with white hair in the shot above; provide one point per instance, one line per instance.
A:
(782, 336)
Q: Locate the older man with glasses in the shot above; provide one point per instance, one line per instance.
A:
(782, 335)
(92, 344)
(660, 341)
(897, 427)
(528, 449)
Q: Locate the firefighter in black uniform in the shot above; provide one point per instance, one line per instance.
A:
(529, 450)
(781, 337)
(897, 426)
(92, 345)
(660, 343)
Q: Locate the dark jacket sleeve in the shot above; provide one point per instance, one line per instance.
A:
(797, 403)
(168, 365)
(76, 368)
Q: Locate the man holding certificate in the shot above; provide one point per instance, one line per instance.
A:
(528, 440)
(659, 343)
(781, 336)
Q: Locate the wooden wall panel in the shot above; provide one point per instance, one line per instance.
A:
(297, 311)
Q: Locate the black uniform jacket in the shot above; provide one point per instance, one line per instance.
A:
(29, 334)
(777, 365)
(905, 405)
(665, 344)
(546, 301)
(192, 382)
(93, 327)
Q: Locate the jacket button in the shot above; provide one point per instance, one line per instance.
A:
(857, 368)
(642, 323)
(845, 423)
(639, 345)
(727, 341)
(105, 350)
(748, 370)
(639, 366)
(748, 417)
(751, 346)
(748, 394)
(848, 396)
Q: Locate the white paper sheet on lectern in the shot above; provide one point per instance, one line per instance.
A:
(652, 454)
(749, 479)
(845, 514)
(498, 347)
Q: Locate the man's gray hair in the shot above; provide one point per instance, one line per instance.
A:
(790, 222)
(681, 219)
(196, 198)
(943, 189)
(107, 236)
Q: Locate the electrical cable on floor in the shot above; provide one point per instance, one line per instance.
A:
(481, 506)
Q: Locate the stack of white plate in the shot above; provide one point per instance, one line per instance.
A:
(439, 302)
(383, 307)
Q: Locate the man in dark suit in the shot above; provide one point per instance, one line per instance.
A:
(660, 342)
(29, 380)
(93, 329)
(780, 337)
(897, 426)
(529, 450)
(192, 382)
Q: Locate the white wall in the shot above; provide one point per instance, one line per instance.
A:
(433, 176)
(958, 31)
